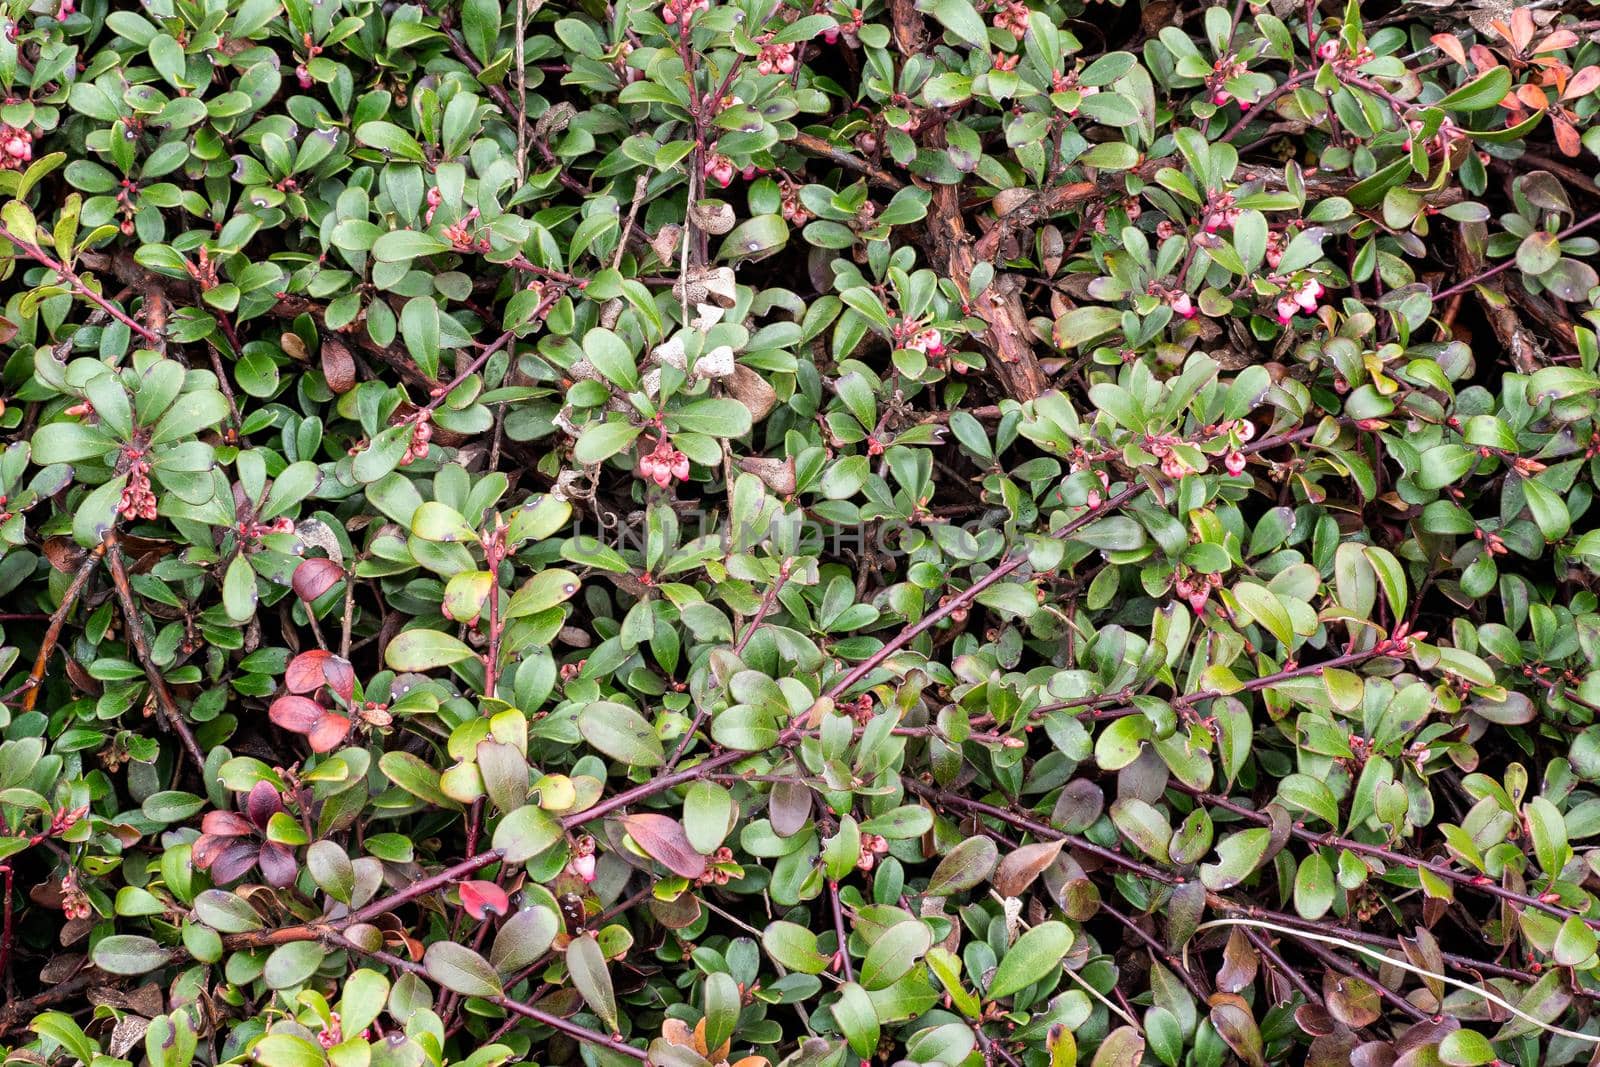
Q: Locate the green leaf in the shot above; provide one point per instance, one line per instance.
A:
(586, 963)
(960, 18)
(291, 965)
(611, 357)
(894, 953)
(402, 246)
(1479, 94)
(621, 733)
(239, 590)
(857, 1019)
(793, 947)
(1313, 887)
(1238, 856)
(526, 832)
(1082, 325)
(1465, 1048)
(460, 970)
(425, 650)
(1032, 957)
(964, 867)
(601, 440)
(128, 954)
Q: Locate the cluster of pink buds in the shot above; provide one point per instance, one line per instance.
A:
(1333, 51)
(582, 862)
(1161, 446)
(1067, 83)
(872, 846)
(255, 531)
(313, 50)
(626, 73)
(1180, 302)
(1223, 71)
(16, 147)
(332, 1033)
(1012, 16)
(1276, 243)
(1299, 298)
(1130, 206)
(1399, 643)
(791, 207)
(434, 198)
(847, 30)
(1447, 134)
(1196, 589)
(458, 234)
(138, 501)
(74, 901)
(1220, 213)
(1081, 463)
(1243, 429)
(775, 58)
(64, 819)
(716, 871)
(420, 436)
(675, 11)
(664, 464)
(719, 168)
(929, 342)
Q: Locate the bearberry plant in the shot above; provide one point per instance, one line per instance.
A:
(771, 533)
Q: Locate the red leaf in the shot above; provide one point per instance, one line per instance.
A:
(662, 839)
(235, 862)
(305, 673)
(316, 576)
(479, 897)
(1583, 83)
(296, 714)
(262, 803)
(277, 865)
(326, 735)
(208, 848)
(224, 824)
(1447, 43)
(311, 670)
(340, 675)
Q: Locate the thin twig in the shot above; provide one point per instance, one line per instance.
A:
(52, 633)
(70, 276)
(141, 647)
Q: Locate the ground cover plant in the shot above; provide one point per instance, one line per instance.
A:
(973, 532)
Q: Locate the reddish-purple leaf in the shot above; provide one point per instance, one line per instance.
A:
(341, 677)
(315, 576)
(262, 803)
(480, 897)
(305, 673)
(277, 865)
(328, 732)
(224, 824)
(663, 840)
(207, 848)
(296, 714)
(235, 862)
